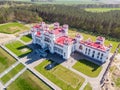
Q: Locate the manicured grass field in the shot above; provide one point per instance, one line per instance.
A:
(99, 10)
(88, 87)
(26, 38)
(13, 27)
(73, 32)
(18, 48)
(28, 81)
(5, 60)
(12, 73)
(117, 82)
(88, 68)
(61, 76)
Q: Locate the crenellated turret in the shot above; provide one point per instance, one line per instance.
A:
(100, 40)
(56, 25)
(65, 28)
(78, 37)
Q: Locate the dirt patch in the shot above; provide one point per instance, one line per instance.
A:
(6, 37)
(24, 50)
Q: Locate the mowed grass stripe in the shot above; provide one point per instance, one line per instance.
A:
(28, 81)
(18, 48)
(88, 68)
(12, 73)
(66, 74)
(12, 27)
(6, 60)
(61, 76)
(26, 38)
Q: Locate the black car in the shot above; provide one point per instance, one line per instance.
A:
(49, 66)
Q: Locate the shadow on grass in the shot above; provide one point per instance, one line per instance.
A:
(54, 64)
(32, 57)
(26, 52)
(90, 64)
(29, 36)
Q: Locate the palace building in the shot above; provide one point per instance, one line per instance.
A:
(58, 41)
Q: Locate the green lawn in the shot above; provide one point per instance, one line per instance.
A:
(88, 68)
(28, 81)
(13, 27)
(117, 82)
(61, 76)
(99, 10)
(88, 87)
(12, 73)
(5, 60)
(73, 32)
(26, 38)
(18, 48)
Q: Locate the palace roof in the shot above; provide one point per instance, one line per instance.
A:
(64, 40)
(94, 45)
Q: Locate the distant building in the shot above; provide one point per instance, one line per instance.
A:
(58, 41)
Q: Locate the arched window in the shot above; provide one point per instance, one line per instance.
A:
(89, 52)
(86, 51)
(98, 55)
(101, 56)
(93, 54)
(81, 47)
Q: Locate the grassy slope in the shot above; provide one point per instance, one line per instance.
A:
(61, 76)
(28, 81)
(5, 60)
(17, 47)
(13, 27)
(88, 87)
(88, 68)
(26, 38)
(73, 32)
(12, 73)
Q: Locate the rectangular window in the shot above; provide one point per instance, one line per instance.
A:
(101, 56)
(89, 52)
(98, 55)
(86, 51)
(64, 54)
(93, 54)
(47, 39)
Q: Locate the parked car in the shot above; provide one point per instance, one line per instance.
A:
(49, 66)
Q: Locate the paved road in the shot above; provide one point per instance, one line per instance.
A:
(9, 69)
(1, 86)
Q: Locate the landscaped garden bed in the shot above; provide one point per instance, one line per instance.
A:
(6, 60)
(18, 48)
(61, 76)
(28, 81)
(88, 68)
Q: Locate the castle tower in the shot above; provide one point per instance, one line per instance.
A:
(78, 37)
(67, 49)
(65, 28)
(100, 40)
(56, 25)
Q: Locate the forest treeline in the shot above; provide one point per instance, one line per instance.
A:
(107, 23)
(10, 14)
